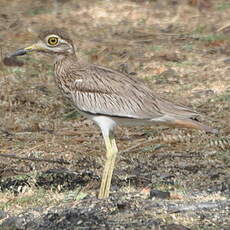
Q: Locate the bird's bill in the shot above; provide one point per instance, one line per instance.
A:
(26, 50)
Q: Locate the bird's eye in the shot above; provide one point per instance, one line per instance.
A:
(52, 41)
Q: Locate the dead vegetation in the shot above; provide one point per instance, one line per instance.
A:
(52, 157)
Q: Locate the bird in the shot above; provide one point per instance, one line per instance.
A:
(108, 97)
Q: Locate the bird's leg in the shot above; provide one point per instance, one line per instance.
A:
(111, 154)
(114, 155)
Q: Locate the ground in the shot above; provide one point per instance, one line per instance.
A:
(52, 158)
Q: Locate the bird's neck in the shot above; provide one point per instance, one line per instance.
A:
(62, 57)
(63, 69)
(68, 60)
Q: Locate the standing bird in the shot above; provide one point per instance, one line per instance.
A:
(108, 97)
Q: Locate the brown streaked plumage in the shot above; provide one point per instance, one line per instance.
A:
(108, 97)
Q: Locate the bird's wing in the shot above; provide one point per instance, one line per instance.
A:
(99, 90)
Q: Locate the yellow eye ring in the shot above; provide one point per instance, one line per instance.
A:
(52, 41)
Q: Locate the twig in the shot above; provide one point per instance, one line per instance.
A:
(223, 27)
(34, 159)
(138, 145)
(14, 170)
(219, 204)
(179, 155)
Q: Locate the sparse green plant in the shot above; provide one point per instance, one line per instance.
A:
(213, 37)
(36, 11)
(74, 195)
(156, 48)
(200, 29)
(188, 47)
(223, 6)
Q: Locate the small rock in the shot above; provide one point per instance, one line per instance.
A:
(12, 61)
(3, 214)
(159, 194)
(204, 93)
(227, 60)
(173, 57)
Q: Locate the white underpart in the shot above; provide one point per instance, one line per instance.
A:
(106, 124)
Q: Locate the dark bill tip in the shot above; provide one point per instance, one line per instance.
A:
(19, 52)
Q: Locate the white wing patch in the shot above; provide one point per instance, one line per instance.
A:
(78, 81)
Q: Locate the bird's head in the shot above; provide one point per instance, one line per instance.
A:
(55, 42)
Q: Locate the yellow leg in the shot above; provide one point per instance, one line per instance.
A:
(111, 154)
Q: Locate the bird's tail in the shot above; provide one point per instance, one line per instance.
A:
(189, 123)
